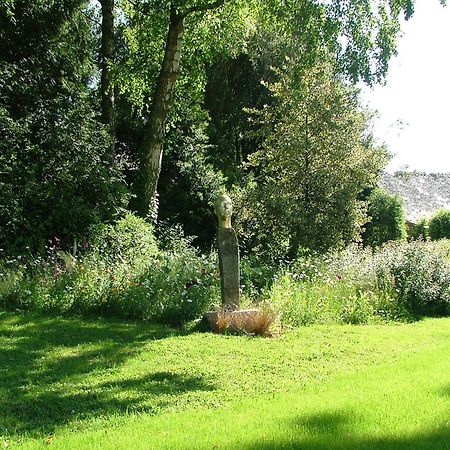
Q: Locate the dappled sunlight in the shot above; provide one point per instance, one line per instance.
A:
(54, 371)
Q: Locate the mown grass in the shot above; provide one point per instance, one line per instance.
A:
(76, 383)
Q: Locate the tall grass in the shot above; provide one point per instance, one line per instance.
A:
(120, 271)
(400, 281)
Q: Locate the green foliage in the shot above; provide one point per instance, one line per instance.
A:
(189, 183)
(174, 286)
(131, 240)
(47, 51)
(368, 33)
(122, 273)
(54, 179)
(399, 281)
(418, 230)
(387, 219)
(48, 105)
(439, 225)
(143, 33)
(315, 159)
(362, 34)
(178, 287)
(234, 88)
(420, 274)
(256, 276)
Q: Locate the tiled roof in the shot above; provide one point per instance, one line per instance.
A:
(423, 193)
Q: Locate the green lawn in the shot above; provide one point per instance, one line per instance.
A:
(72, 383)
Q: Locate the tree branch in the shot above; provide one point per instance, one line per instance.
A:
(205, 7)
(91, 18)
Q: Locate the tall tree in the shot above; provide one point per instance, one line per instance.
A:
(107, 58)
(155, 131)
(53, 179)
(361, 34)
(316, 158)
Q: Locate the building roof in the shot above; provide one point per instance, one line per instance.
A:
(423, 193)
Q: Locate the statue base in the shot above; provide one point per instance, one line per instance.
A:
(243, 320)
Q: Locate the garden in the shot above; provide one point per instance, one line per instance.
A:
(121, 126)
(107, 349)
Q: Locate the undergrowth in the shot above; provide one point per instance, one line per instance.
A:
(399, 282)
(122, 271)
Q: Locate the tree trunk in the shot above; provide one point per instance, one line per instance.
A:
(107, 54)
(152, 144)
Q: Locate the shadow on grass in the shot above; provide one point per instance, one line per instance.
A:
(54, 371)
(445, 391)
(335, 431)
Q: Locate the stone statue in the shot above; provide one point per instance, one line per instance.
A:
(227, 244)
(228, 253)
(223, 207)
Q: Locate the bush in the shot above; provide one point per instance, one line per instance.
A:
(439, 225)
(419, 230)
(387, 219)
(130, 239)
(419, 273)
(122, 274)
(399, 281)
(178, 287)
(413, 278)
(256, 275)
(54, 180)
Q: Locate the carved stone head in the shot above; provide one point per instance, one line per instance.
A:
(223, 207)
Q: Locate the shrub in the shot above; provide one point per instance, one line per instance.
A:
(399, 281)
(387, 219)
(54, 181)
(130, 239)
(178, 287)
(122, 274)
(419, 274)
(256, 275)
(419, 230)
(409, 278)
(439, 225)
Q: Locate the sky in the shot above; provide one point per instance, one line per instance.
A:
(414, 104)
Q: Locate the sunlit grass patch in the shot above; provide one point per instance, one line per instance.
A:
(112, 384)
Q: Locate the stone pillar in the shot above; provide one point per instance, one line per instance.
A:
(229, 267)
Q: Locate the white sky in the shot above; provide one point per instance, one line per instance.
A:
(414, 104)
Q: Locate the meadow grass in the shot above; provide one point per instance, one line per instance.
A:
(73, 383)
